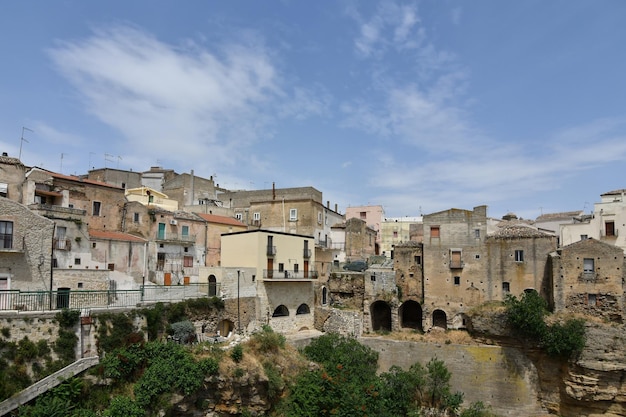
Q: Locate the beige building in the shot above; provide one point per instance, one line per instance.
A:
(12, 174)
(151, 198)
(216, 226)
(118, 177)
(395, 231)
(278, 268)
(605, 224)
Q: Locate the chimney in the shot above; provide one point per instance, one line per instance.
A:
(336, 208)
(273, 191)
(327, 204)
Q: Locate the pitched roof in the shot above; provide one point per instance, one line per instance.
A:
(559, 216)
(111, 235)
(214, 218)
(518, 230)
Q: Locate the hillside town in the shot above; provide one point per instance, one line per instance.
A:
(285, 257)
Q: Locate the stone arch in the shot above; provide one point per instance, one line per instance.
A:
(460, 321)
(225, 327)
(324, 296)
(410, 313)
(281, 311)
(440, 319)
(212, 286)
(303, 309)
(380, 311)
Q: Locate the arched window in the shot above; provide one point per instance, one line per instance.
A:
(281, 311)
(212, 286)
(303, 309)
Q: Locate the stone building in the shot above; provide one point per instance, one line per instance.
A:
(25, 248)
(190, 190)
(123, 254)
(12, 174)
(588, 278)
(407, 264)
(216, 226)
(118, 177)
(517, 257)
(373, 215)
(395, 231)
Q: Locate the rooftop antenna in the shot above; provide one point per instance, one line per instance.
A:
(22, 140)
(119, 158)
(107, 157)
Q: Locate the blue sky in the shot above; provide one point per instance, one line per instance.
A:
(416, 106)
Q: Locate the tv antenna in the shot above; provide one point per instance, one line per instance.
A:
(22, 140)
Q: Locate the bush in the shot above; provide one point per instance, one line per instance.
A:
(236, 353)
(267, 340)
(565, 339)
(526, 315)
(183, 331)
(124, 406)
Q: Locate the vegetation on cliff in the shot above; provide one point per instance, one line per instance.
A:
(527, 316)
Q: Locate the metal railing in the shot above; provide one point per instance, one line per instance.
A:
(175, 237)
(15, 300)
(289, 274)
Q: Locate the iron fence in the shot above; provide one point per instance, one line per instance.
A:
(12, 300)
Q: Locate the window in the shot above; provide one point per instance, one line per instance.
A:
(296, 268)
(4, 187)
(418, 260)
(150, 199)
(80, 285)
(609, 229)
(583, 237)
(457, 280)
(303, 309)
(55, 263)
(96, 208)
(456, 259)
(76, 261)
(184, 231)
(238, 216)
(363, 215)
(256, 216)
(395, 234)
(591, 300)
(186, 249)
(319, 217)
(111, 267)
(434, 231)
(519, 255)
(6, 235)
(372, 278)
(477, 233)
(281, 267)
(506, 287)
(588, 265)
(293, 215)
(136, 217)
(188, 261)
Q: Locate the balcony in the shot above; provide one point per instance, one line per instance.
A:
(306, 253)
(457, 264)
(175, 237)
(274, 274)
(271, 251)
(62, 244)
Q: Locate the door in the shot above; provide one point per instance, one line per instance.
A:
(270, 268)
(167, 278)
(161, 233)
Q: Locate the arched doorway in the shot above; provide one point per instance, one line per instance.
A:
(410, 313)
(381, 316)
(225, 327)
(212, 286)
(440, 319)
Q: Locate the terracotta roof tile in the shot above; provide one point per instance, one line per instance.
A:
(214, 218)
(111, 235)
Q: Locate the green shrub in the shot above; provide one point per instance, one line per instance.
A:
(526, 315)
(183, 331)
(236, 353)
(124, 406)
(67, 318)
(276, 385)
(565, 339)
(268, 340)
(6, 332)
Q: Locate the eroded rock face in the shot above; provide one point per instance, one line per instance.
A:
(593, 384)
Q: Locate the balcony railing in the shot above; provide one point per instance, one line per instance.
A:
(306, 253)
(289, 274)
(62, 244)
(457, 264)
(175, 237)
(271, 251)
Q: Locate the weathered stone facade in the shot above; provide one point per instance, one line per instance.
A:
(589, 278)
(25, 252)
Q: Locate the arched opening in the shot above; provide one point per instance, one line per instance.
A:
(410, 313)
(530, 290)
(281, 311)
(460, 321)
(212, 286)
(381, 316)
(440, 319)
(303, 309)
(225, 328)
(324, 296)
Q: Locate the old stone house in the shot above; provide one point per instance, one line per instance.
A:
(216, 226)
(12, 174)
(25, 248)
(588, 278)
